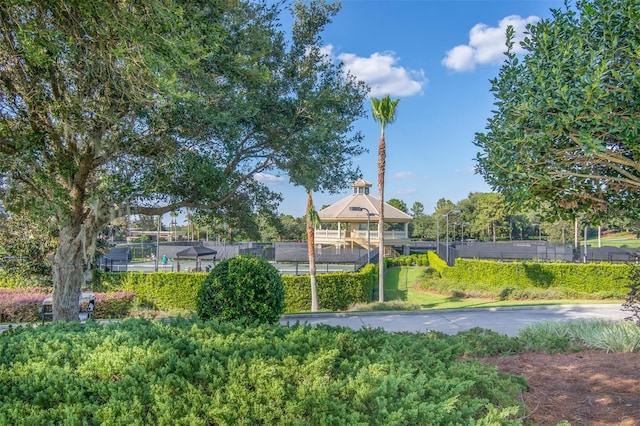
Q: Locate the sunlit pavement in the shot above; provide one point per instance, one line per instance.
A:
(507, 321)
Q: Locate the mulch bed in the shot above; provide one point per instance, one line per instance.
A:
(591, 387)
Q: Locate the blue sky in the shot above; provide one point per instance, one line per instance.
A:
(437, 57)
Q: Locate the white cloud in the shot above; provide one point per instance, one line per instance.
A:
(460, 58)
(270, 179)
(403, 175)
(487, 44)
(406, 191)
(382, 73)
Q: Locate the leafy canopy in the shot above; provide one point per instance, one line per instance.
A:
(565, 127)
(117, 108)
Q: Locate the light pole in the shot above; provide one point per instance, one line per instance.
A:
(462, 232)
(447, 216)
(586, 234)
(359, 209)
(438, 234)
(455, 225)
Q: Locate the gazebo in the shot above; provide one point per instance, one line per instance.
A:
(344, 223)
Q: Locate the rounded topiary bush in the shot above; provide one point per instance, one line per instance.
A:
(242, 287)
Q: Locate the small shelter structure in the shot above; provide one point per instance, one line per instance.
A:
(198, 253)
(353, 221)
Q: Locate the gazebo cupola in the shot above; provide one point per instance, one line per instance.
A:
(361, 186)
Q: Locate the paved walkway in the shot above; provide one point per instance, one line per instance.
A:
(507, 321)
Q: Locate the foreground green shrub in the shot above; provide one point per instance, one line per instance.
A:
(242, 287)
(142, 372)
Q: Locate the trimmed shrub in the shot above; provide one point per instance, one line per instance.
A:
(529, 280)
(243, 287)
(160, 290)
(113, 305)
(10, 280)
(178, 290)
(410, 260)
(22, 304)
(336, 291)
(436, 262)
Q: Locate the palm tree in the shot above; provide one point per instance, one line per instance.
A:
(311, 220)
(384, 112)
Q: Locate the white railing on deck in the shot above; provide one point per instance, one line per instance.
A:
(334, 234)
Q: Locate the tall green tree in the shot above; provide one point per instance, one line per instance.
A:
(398, 204)
(417, 209)
(293, 228)
(565, 126)
(141, 107)
(490, 214)
(328, 102)
(442, 207)
(384, 113)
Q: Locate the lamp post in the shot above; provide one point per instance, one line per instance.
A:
(359, 209)
(586, 235)
(462, 232)
(447, 216)
(453, 237)
(438, 235)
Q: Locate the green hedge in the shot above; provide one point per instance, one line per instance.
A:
(178, 290)
(157, 290)
(10, 280)
(410, 260)
(592, 280)
(436, 262)
(336, 291)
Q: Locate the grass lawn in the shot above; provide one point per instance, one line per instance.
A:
(619, 239)
(399, 285)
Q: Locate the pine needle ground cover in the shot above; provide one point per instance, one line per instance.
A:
(191, 372)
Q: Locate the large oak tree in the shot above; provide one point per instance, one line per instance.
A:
(565, 129)
(143, 107)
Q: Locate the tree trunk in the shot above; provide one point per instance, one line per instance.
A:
(68, 274)
(381, 170)
(311, 246)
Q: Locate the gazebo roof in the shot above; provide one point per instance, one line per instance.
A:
(341, 210)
